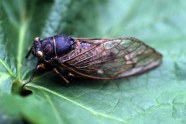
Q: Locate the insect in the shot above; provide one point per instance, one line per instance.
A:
(97, 58)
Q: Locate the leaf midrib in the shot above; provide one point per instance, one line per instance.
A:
(22, 34)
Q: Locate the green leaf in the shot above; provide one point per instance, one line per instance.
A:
(157, 96)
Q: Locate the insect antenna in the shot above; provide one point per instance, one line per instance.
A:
(29, 52)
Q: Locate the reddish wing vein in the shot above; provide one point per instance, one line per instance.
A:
(112, 58)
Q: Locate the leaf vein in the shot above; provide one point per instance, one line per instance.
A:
(78, 104)
(53, 107)
(7, 68)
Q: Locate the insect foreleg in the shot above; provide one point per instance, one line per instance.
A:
(41, 66)
(58, 73)
(29, 52)
(38, 66)
(31, 77)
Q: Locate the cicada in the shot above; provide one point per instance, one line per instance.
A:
(97, 58)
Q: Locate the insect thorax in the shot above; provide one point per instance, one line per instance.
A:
(58, 45)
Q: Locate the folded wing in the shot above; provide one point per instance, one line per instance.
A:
(110, 58)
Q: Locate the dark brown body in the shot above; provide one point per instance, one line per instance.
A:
(95, 58)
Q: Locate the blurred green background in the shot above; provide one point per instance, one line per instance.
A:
(156, 97)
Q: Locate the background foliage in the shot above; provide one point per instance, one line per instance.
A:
(158, 96)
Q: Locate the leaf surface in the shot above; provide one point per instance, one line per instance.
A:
(157, 96)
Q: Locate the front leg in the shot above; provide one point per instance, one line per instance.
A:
(34, 72)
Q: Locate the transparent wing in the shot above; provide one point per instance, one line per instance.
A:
(110, 58)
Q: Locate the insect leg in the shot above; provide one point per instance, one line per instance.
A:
(41, 66)
(31, 77)
(29, 52)
(38, 66)
(33, 74)
(57, 72)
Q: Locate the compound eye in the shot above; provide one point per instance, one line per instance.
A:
(39, 54)
(37, 39)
